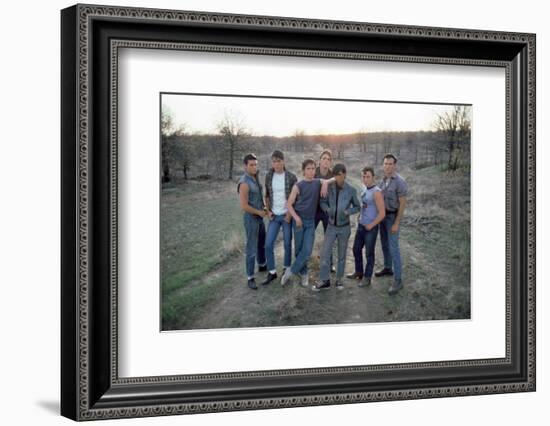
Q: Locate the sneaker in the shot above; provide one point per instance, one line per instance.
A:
(304, 282)
(385, 271)
(252, 284)
(286, 277)
(365, 282)
(321, 285)
(333, 269)
(355, 276)
(262, 268)
(395, 287)
(270, 277)
(339, 285)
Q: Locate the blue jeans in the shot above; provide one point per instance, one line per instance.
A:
(273, 228)
(321, 216)
(340, 233)
(390, 245)
(255, 242)
(304, 237)
(367, 239)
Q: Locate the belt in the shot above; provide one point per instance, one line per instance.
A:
(341, 226)
(391, 212)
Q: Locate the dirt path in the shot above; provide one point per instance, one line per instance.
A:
(435, 254)
(273, 305)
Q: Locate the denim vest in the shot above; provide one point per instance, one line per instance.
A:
(255, 196)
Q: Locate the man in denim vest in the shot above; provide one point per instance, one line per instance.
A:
(252, 205)
(394, 189)
(341, 202)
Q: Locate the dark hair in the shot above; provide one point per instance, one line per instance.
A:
(338, 168)
(307, 162)
(325, 151)
(249, 157)
(368, 169)
(390, 155)
(278, 154)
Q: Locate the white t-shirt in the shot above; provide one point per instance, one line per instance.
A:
(279, 196)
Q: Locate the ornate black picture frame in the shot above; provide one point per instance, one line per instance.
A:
(91, 387)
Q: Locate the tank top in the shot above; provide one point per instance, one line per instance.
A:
(308, 198)
(368, 208)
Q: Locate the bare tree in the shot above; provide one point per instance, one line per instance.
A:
(166, 120)
(387, 143)
(299, 139)
(455, 127)
(185, 150)
(234, 135)
(167, 147)
(362, 140)
(377, 152)
(177, 153)
(177, 147)
(412, 146)
(340, 148)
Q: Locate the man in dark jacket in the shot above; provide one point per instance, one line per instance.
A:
(278, 184)
(340, 203)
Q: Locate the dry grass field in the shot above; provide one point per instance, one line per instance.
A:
(202, 259)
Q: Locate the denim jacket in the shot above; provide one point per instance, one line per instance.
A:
(255, 197)
(348, 204)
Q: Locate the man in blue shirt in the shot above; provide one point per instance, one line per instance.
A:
(394, 188)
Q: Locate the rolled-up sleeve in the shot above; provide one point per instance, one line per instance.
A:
(401, 188)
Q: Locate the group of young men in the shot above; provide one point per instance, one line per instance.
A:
(322, 196)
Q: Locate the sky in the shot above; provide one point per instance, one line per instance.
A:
(286, 116)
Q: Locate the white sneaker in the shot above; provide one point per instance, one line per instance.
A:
(304, 282)
(286, 276)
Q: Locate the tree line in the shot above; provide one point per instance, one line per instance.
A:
(191, 155)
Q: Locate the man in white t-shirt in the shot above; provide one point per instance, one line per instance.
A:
(278, 184)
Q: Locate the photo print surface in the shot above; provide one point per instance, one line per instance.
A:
(281, 212)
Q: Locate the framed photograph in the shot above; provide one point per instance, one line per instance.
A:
(263, 212)
(204, 139)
